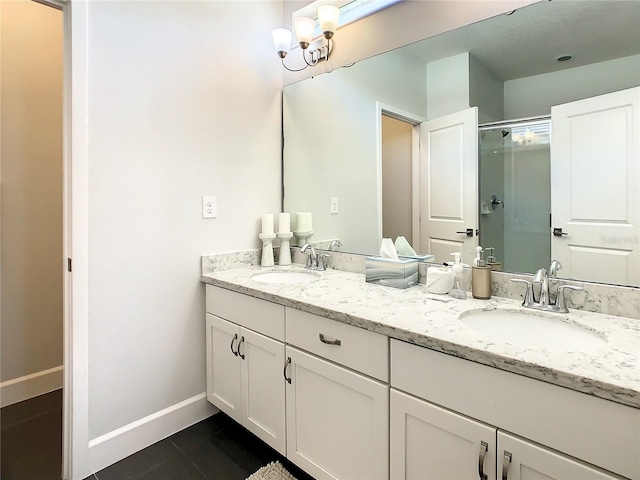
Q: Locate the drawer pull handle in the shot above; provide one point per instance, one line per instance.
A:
(329, 342)
(235, 337)
(238, 349)
(484, 446)
(506, 462)
(284, 372)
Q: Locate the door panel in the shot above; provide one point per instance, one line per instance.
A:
(263, 407)
(430, 442)
(595, 149)
(449, 184)
(337, 420)
(223, 387)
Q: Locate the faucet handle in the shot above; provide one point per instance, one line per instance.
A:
(528, 294)
(561, 302)
(323, 258)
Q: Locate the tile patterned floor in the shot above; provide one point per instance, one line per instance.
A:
(216, 448)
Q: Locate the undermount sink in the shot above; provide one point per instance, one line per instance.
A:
(286, 277)
(532, 329)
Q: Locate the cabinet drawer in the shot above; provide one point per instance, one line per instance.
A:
(592, 429)
(258, 315)
(359, 349)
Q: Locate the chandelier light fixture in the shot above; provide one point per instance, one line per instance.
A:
(328, 16)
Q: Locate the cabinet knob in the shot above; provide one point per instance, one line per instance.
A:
(506, 462)
(323, 339)
(484, 446)
(284, 372)
(239, 344)
(235, 337)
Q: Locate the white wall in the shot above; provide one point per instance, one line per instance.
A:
(447, 85)
(32, 264)
(184, 100)
(486, 91)
(531, 96)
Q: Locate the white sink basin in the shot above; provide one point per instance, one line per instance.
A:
(534, 329)
(286, 277)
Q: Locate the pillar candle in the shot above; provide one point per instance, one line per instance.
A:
(284, 223)
(267, 223)
(303, 222)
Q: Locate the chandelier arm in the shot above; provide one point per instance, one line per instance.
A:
(293, 69)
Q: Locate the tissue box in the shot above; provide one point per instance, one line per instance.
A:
(402, 273)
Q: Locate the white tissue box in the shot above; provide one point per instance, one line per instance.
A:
(402, 273)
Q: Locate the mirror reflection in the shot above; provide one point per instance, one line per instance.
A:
(548, 146)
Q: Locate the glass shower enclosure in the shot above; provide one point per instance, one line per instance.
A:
(515, 192)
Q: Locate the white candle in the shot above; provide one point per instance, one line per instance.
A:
(303, 222)
(284, 223)
(267, 223)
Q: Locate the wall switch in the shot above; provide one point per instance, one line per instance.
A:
(209, 206)
(334, 204)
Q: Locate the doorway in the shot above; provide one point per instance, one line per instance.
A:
(398, 174)
(32, 226)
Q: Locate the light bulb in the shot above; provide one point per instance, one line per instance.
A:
(304, 30)
(328, 16)
(282, 41)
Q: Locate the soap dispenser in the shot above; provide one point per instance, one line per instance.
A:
(456, 291)
(480, 277)
(491, 260)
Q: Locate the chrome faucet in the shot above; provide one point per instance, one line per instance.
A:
(315, 261)
(544, 303)
(542, 278)
(334, 244)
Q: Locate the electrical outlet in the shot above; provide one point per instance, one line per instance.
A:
(334, 204)
(209, 206)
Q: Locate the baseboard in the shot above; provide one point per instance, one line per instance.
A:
(29, 386)
(122, 442)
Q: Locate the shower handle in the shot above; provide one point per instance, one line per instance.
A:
(495, 202)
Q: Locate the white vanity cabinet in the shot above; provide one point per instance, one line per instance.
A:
(337, 418)
(522, 460)
(428, 441)
(244, 366)
(549, 431)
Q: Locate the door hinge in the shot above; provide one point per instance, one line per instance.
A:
(68, 264)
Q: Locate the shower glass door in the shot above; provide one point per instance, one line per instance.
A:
(515, 193)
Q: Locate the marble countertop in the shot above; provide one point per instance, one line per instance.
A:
(610, 371)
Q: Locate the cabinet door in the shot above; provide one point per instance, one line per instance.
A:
(337, 420)
(263, 388)
(430, 442)
(223, 366)
(521, 460)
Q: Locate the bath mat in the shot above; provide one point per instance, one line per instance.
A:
(272, 471)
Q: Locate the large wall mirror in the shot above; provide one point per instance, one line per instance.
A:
(360, 143)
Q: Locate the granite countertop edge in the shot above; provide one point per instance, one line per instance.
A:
(611, 373)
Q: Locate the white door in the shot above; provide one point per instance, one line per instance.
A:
(449, 185)
(337, 420)
(223, 372)
(595, 187)
(263, 409)
(521, 460)
(430, 442)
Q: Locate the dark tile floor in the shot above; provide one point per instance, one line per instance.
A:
(31, 439)
(215, 448)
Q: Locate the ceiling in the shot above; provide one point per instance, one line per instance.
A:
(529, 41)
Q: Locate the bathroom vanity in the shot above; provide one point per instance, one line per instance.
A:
(353, 380)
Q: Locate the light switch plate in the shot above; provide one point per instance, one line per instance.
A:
(209, 206)
(334, 204)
